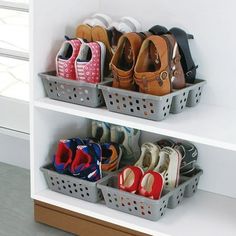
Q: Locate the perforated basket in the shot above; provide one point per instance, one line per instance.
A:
(150, 106)
(71, 186)
(141, 206)
(72, 91)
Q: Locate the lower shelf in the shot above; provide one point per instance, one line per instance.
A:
(203, 214)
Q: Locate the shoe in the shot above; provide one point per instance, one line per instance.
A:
(152, 71)
(151, 185)
(177, 73)
(158, 30)
(169, 166)
(189, 155)
(90, 62)
(101, 34)
(166, 143)
(87, 162)
(65, 59)
(128, 139)
(65, 154)
(149, 156)
(124, 59)
(190, 69)
(101, 131)
(84, 30)
(111, 155)
(129, 178)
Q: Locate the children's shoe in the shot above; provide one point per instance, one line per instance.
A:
(169, 166)
(90, 62)
(65, 154)
(189, 157)
(111, 155)
(101, 131)
(129, 179)
(151, 185)
(177, 73)
(99, 19)
(128, 139)
(186, 58)
(127, 25)
(166, 143)
(87, 162)
(65, 59)
(124, 59)
(149, 156)
(152, 71)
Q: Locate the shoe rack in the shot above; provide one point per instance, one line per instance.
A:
(210, 125)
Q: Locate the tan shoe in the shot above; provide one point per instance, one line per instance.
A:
(84, 31)
(152, 71)
(124, 59)
(177, 73)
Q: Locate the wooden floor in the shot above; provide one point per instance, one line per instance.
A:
(16, 207)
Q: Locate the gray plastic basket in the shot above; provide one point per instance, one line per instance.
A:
(72, 91)
(71, 186)
(141, 206)
(150, 106)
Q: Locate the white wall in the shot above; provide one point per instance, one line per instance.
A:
(14, 151)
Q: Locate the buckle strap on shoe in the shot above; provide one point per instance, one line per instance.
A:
(191, 71)
(121, 78)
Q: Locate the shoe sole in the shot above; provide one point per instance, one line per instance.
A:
(102, 58)
(84, 31)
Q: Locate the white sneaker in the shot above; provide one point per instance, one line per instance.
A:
(169, 166)
(98, 19)
(101, 131)
(149, 157)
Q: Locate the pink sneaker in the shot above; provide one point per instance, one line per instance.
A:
(65, 59)
(90, 62)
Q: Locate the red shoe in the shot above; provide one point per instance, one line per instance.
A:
(129, 178)
(65, 59)
(151, 185)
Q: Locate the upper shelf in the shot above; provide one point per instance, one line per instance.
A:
(209, 125)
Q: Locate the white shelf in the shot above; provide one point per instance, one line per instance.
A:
(209, 125)
(204, 214)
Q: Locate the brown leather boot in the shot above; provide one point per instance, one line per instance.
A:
(152, 71)
(124, 60)
(177, 73)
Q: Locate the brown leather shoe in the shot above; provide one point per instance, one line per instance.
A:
(177, 73)
(152, 71)
(124, 60)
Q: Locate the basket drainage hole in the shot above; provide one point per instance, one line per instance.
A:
(130, 209)
(143, 213)
(145, 113)
(165, 206)
(59, 188)
(197, 101)
(132, 110)
(178, 202)
(149, 212)
(109, 194)
(53, 184)
(185, 99)
(177, 197)
(86, 188)
(162, 214)
(165, 114)
(124, 105)
(196, 95)
(51, 90)
(200, 94)
(88, 98)
(69, 186)
(123, 204)
(64, 187)
(137, 101)
(160, 209)
(74, 185)
(194, 191)
(111, 102)
(164, 108)
(70, 97)
(87, 194)
(81, 189)
(144, 106)
(51, 178)
(183, 94)
(76, 190)
(123, 98)
(168, 107)
(71, 192)
(199, 88)
(117, 205)
(50, 84)
(167, 100)
(82, 195)
(182, 107)
(75, 95)
(131, 104)
(117, 101)
(181, 194)
(138, 108)
(152, 111)
(110, 96)
(181, 101)
(58, 182)
(135, 208)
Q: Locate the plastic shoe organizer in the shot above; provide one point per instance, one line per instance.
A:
(72, 186)
(145, 207)
(72, 91)
(150, 106)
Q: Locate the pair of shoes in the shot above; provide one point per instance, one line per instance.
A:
(100, 27)
(152, 63)
(181, 37)
(188, 152)
(127, 138)
(78, 60)
(82, 160)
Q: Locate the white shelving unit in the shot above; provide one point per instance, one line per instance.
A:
(210, 125)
